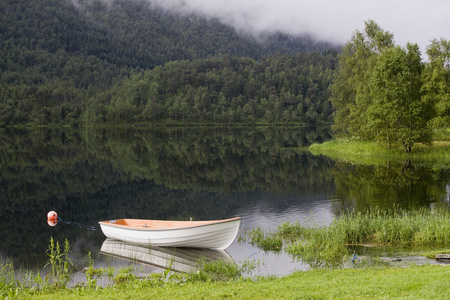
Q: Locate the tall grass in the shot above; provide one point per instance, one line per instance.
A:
(8, 282)
(15, 285)
(327, 244)
(59, 263)
(420, 227)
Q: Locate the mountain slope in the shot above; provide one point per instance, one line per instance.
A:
(54, 54)
(41, 37)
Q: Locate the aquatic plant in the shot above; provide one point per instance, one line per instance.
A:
(327, 245)
(92, 273)
(419, 227)
(124, 275)
(24, 282)
(220, 270)
(8, 282)
(264, 241)
(59, 264)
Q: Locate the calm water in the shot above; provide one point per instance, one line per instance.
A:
(259, 174)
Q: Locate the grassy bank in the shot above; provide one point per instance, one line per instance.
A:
(349, 149)
(373, 153)
(220, 280)
(365, 152)
(426, 282)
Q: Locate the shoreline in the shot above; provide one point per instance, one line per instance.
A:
(415, 282)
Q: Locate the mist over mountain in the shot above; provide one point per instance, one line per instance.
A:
(124, 33)
(334, 21)
(57, 54)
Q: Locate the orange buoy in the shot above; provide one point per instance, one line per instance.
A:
(52, 215)
(52, 218)
(52, 222)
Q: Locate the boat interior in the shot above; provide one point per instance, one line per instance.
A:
(158, 224)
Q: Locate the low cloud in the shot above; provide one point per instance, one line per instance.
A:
(330, 20)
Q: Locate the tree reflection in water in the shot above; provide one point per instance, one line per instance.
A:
(87, 175)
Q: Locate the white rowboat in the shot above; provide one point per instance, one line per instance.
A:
(218, 234)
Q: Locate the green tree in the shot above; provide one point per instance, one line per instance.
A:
(377, 92)
(350, 91)
(436, 78)
(398, 113)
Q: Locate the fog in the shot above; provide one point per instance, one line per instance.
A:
(328, 20)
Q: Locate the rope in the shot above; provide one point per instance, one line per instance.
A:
(77, 224)
(248, 246)
(355, 258)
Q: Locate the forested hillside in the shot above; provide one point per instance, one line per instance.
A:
(54, 55)
(277, 89)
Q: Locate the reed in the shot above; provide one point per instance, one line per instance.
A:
(124, 275)
(326, 245)
(420, 227)
(13, 285)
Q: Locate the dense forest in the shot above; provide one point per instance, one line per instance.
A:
(56, 56)
(276, 89)
(387, 93)
(94, 62)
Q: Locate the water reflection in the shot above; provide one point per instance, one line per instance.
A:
(259, 174)
(393, 185)
(268, 210)
(175, 259)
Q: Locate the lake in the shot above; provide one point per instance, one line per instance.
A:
(263, 175)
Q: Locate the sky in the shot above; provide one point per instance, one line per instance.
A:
(415, 21)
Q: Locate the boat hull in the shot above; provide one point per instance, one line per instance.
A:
(201, 234)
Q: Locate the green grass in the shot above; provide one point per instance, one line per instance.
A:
(427, 282)
(59, 275)
(432, 253)
(220, 280)
(364, 152)
(442, 134)
(419, 227)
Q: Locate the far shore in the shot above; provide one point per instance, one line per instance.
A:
(438, 153)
